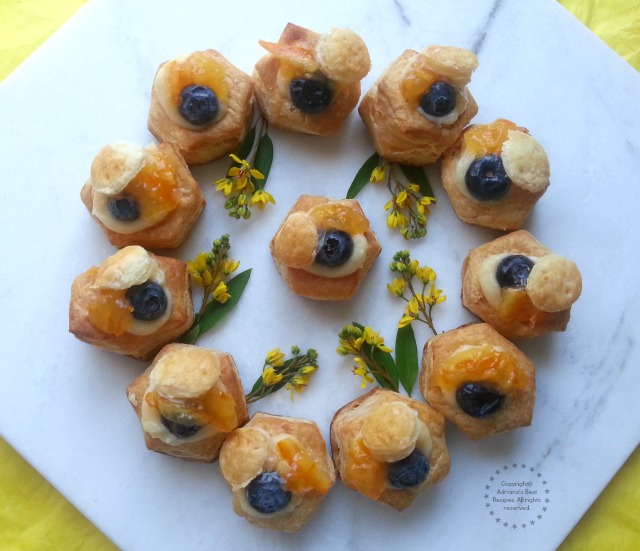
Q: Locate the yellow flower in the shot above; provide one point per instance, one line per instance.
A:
(220, 293)
(297, 384)
(230, 266)
(388, 204)
(261, 198)
(225, 185)
(275, 358)
(308, 369)
(397, 287)
(199, 270)
(373, 338)
(270, 377)
(426, 275)
(404, 321)
(397, 219)
(423, 204)
(360, 369)
(413, 267)
(413, 308)
(435, 296)
(244, 170)
(413, 187)
(342, 350)
(401, 199)
(377, 175)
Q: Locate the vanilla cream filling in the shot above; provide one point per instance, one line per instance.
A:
(489, 282)
(355, 262)
(450, 118)
(161, 87)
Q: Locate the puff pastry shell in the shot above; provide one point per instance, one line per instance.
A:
(250, 451)
(187, 376)
(199, 146)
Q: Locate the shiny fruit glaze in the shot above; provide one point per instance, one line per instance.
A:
(364, 473)
(154, 188)
(416, 84)
(334, 216)
(517, 306)
(216, 407)
(487, 139)
(301, 473)
(198, 68)
(110, 311)
(483, 363)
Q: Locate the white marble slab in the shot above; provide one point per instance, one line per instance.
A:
(62, 403)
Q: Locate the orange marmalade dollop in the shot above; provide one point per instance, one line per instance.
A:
(201, 69)
(109, 311)
(517, 306)
(482, 363)
(155, 188)
(215, 407)
(301, 473)
(487, 139)
(416, 84)
(365, 474)
(335, 216)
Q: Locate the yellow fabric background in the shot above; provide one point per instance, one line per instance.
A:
(35, 517)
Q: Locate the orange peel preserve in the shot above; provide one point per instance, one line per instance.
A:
(335, 216)
(301, 473)
(155, 187)
(365, 474)
(111, 312)
(416, 84)
(215, 407)
(517, 306)
(487, 139)
(200, 69)
(483, 363)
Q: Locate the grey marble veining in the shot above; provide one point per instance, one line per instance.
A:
(62, 403)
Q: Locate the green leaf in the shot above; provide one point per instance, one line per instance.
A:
(191, 335)
(215, 311)
(407, 357)
(363, 177)
(416, 175)
(264, 158)
(245, 146)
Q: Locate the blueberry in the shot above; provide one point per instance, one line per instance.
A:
(335, 248)
(124, 208)
(439, 100)
(199, 104)
(149, 301)
(183, 426)
(310, 95)
(486, 178)
(478, 400)
(266, 493)
(408, 472)
(513, 271)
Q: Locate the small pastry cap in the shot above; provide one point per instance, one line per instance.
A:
(129, 266)
(554, 283)
(185, 372)
(297, 240)
(115, 166)
(525, 162)
(391, 430)
(243, 456)
(457, 64)
(343, 56)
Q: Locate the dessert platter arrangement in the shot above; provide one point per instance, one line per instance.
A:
(424, 315)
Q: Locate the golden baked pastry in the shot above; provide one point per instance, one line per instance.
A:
(388, 447)
(142, 195)
(278, 470)
(201, 104)
(133, 303)
(520, 287)
(419, 106)
(478, 380)
(310, 82)
(495, 174)
(188, 401)
(324, 248)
